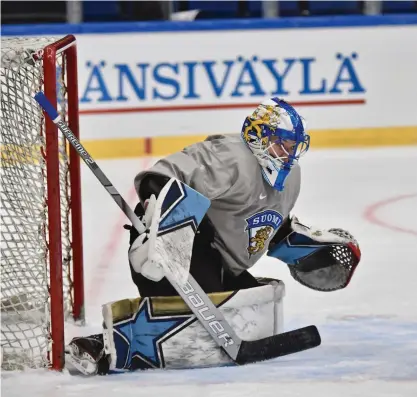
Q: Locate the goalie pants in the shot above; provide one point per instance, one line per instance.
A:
(206, 262)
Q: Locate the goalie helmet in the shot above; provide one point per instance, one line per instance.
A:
(275, 122)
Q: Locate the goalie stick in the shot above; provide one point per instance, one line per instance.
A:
(240, 351)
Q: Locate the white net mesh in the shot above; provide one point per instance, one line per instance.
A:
(25, 298)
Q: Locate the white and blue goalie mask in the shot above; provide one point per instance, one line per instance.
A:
(276, 135)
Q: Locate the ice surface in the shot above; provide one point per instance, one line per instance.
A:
(369, 330)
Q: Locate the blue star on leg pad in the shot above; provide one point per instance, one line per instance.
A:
(145, 332)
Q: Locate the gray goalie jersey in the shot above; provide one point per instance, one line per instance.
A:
(245, 210)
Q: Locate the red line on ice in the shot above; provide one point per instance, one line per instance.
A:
(370, 214)
(102, 268)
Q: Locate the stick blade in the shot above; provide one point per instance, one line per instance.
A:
(279, 345)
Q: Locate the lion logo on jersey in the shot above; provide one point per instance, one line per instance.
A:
(261, 236)
(261, 227)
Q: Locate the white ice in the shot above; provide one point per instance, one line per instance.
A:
(369, 330)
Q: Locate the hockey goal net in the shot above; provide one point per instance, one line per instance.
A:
(41, 235)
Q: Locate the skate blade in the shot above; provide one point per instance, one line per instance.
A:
(80, 365)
